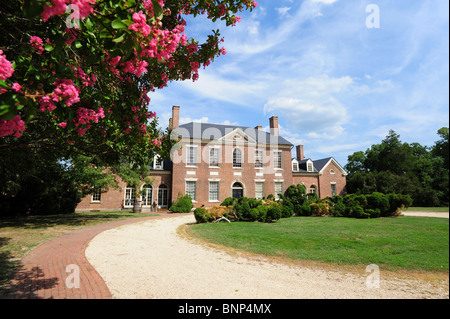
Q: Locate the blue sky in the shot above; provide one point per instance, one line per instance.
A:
(336, 85)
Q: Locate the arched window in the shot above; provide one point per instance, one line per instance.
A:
(147, 195)
(237, 158)
(163, 196)
(313, 189)
(237, 190)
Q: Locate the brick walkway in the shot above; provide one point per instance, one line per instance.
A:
(44, 271)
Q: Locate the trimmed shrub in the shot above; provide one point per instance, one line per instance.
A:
(338, 210)
(287, 209)
(273, 214)
(302, 210)
(201, 215)
(228, 201)
(183, 204)
(379, 201)
(357, 212)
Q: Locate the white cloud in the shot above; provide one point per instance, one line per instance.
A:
(309, 106)
(184, 120)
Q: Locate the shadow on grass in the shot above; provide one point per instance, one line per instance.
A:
(75, 219)
(18, 283)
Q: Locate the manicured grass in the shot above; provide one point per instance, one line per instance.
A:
(19, 235)
(427, 209)
(414, 243)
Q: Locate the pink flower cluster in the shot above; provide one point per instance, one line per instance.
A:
(66, 91)
(141, 24)
(135, 66)
(7, 127)
(156, 142)
(6, 69)
(36, 44)
(85, 78)
(59, 7)
(85, 116)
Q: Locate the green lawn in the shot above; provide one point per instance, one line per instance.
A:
(414, 243)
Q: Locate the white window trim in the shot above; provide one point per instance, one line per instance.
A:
(96, 200)
(218, 191)
(242, 157)
(218, 159)
(262, 159)
(187, 155)
(281, 160)
(185, 189)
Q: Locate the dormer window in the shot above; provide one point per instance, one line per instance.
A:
(294, 166)
(309, 166)
(157, 163)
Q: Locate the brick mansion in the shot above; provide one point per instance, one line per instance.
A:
(211, 162)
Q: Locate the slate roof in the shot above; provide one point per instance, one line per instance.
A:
(209, 131)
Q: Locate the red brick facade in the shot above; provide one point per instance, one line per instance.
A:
(212, 165)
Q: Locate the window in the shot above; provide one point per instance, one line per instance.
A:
(278, 189)
(237, 190)
(277, 159)
(259, 190)
(295, 166)
(130, 197)
(214, 157)
(259, 159)
(313, 189)
(213, 191)
(147, 195)
(96, 195)
(191, 156)
(309, 167)
(237, 158)
(157, 163)
(333, 190)
(332, 171)
(191, 189)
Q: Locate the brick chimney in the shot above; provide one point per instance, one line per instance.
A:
(300, 154)
(175, 116)
(259, 127)
(274, 125)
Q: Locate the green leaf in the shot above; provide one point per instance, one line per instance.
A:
(157, 10)
(118, 24)
(119, 39)
(78, 44)
(48, 47)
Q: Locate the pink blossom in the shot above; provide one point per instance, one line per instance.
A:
(156, 142)
(141, 24)
(46, 104)
(16, 87)
(62, 124)
(192, 48)
(36, 44)
(7, 127)
(59, 7)
(66, 91)
(6, 69)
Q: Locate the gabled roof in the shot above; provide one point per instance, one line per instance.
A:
(319, 165)
(209, 131)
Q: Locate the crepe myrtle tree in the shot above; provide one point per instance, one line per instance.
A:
(85, 68)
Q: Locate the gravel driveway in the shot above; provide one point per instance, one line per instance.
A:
(151, 260)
